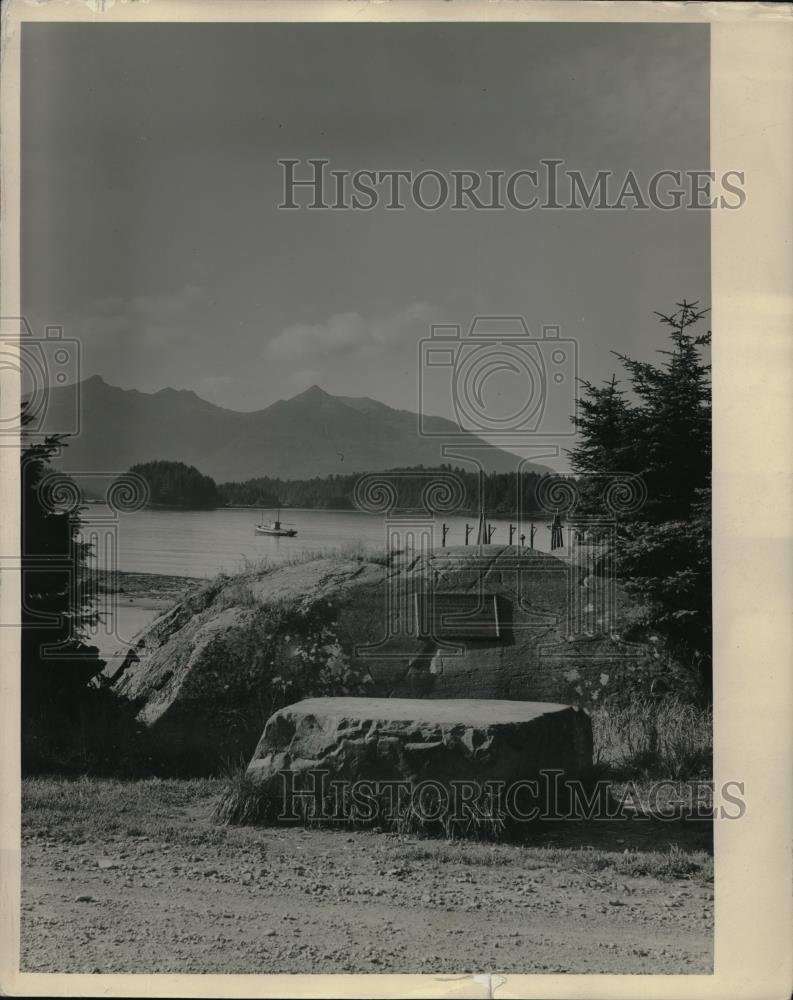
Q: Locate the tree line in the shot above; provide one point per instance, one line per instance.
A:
(502, 492)
(174, 484)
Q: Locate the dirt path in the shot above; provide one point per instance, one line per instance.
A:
(182, 895)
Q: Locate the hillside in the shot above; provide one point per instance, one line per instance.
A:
(311, 434)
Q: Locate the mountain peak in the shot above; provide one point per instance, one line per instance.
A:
(169, 392)
(313, 393)
(310, 435)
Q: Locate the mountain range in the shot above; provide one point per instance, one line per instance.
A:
(311, 434)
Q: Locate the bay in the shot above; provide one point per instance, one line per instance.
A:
(203, 543)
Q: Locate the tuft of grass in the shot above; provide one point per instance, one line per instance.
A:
(666, 738)
(244, 803)
(251, 569)
(237, 594)
(234, 589)
(382, 557)
(486, 820)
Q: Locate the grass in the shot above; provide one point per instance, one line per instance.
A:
(672, 862)
(242, 803)
(178, 812)
(664, 738)
(80, 808)
(353, 550)
(172, 811)
(235, 590)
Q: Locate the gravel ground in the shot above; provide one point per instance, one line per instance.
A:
(109, 887)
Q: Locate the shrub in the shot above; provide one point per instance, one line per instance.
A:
(665, 738)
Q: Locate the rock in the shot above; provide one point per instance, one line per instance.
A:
(212, 670)
(418, 740)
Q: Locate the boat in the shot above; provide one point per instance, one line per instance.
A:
(275, 528)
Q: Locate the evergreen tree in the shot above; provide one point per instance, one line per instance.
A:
(663, 434)
(57, 607)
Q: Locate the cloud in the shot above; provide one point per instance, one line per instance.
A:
(349, 333)
(143, 318)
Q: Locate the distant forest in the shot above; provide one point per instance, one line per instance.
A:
(174, 484)
(336, 492)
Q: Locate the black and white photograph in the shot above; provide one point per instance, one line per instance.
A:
(364, 438)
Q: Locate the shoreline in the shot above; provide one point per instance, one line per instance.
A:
(528, 517)
(129, 602)
(162, 589)
(137, 586)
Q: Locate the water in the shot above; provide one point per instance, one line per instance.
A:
(203, 543)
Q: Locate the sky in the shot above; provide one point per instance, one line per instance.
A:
(150, 186)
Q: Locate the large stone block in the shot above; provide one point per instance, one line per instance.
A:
(415, 740)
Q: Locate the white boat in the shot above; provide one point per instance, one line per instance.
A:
(275, 528)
